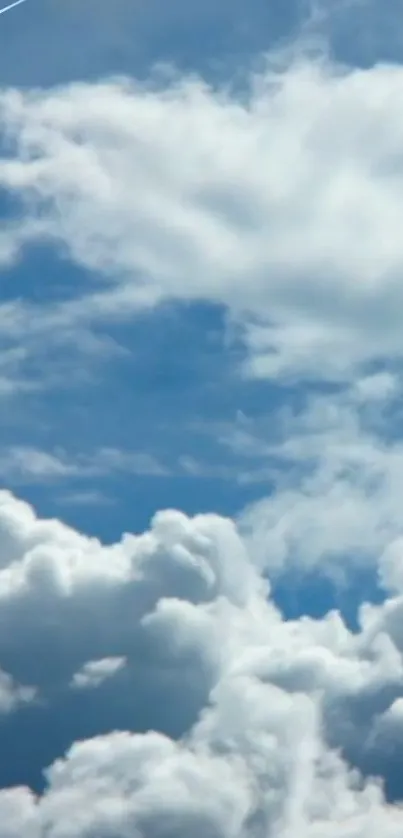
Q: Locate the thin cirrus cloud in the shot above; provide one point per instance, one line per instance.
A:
(24, 464)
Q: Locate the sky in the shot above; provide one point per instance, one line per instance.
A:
(201, 447)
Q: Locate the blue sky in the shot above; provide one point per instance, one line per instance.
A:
(201, 454)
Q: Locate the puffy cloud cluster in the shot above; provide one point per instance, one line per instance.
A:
(285, 206)
(204, 711)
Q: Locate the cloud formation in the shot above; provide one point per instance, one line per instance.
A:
(93, 673)
(22, 464)
(280, 722)
(154, 685)
(337, 468)
(285, 208)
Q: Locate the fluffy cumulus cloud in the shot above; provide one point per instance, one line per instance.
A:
(285, 207)
(286, 721)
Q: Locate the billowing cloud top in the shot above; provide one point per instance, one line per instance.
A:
(245, 716)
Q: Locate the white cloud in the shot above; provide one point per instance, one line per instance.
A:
(180, 606)
(125, 784)
(31, 463)
(24, 464)
(336, 467)
(93, 673)
(85, 498)
(132, 462)
(377, 387)
(286, 208)
(13, 695)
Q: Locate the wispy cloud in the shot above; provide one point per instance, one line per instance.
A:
(85, 498)
(337, 476)
(94, 673)
(285, 209)
(24, 464)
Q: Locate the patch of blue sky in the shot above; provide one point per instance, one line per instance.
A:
(43, 43)
(171, 396)
(316, 594)
(164, 397)
(46, 44)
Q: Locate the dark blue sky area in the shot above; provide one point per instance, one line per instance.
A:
(47, 43)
